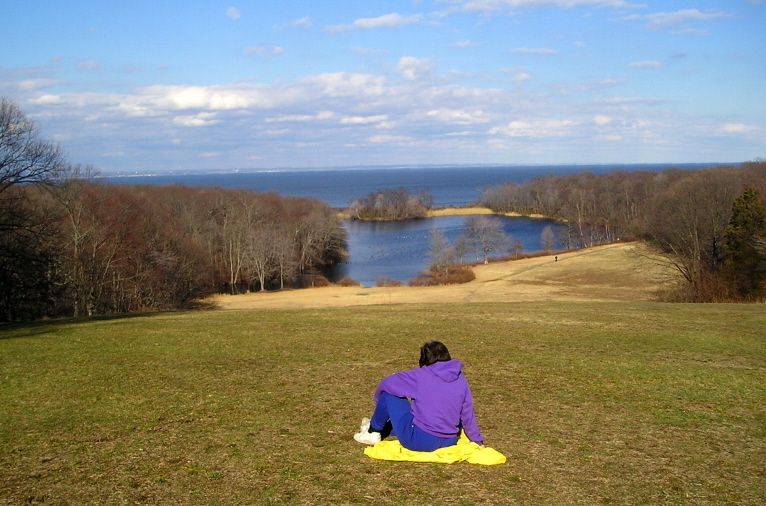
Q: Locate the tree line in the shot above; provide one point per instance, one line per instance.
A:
(711, 223)
(71, 245)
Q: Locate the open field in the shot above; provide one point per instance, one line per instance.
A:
(593, 403)
(617, 272)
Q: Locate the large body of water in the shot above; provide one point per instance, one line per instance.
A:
(399, 249)
(450, 186)
(396, 250)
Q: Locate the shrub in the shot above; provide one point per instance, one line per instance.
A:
(455, 274)
(319, 281)
(349, 282)
(386, 281)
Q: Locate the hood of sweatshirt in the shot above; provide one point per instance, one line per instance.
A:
(446, 371)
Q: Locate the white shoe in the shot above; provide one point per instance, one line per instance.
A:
(367, 438)
(364, 435)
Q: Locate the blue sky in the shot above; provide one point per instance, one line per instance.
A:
(158, 85)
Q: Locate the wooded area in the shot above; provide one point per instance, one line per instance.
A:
(72, 246)
(711, 222)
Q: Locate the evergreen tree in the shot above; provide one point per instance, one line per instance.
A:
(745, 261)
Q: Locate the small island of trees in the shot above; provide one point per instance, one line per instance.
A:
(391, 204)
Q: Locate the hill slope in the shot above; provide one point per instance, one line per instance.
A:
(616, 272)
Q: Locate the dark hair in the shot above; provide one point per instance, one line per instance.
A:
(433, 352)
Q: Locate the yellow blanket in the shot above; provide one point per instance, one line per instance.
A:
(463, 450)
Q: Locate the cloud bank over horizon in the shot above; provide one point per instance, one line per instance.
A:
(258, 85)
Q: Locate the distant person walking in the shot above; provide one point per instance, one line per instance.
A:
(425, 408)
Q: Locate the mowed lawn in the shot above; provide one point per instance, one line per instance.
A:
(592, 403)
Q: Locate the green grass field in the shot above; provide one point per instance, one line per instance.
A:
(592, 403)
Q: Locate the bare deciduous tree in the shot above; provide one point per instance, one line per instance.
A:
(26, 258)
(440, 252)
(487, 235)
(24, 157)
(547, 239)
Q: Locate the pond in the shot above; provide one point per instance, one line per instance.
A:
(399, 249)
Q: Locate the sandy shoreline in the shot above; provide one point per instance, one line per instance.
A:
(615, 272)
(457, 211)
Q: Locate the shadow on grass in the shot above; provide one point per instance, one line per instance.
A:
(42, 327)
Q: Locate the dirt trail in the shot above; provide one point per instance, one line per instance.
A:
(616, 272)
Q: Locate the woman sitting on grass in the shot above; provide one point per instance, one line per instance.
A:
(441, 404)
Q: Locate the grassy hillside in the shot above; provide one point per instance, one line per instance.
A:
(593, 403)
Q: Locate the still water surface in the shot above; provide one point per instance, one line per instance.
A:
(399, 249)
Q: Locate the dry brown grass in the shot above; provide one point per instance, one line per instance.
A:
(470, 211)
(617, 272)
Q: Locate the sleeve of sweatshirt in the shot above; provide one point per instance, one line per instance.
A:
(400, 384)
(468, 418)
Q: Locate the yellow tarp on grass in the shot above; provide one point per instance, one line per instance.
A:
(464, 450)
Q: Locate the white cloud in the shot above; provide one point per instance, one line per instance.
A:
(88, 65)
(364, 51)
(346, 84)
(498, 5)
(602, 120)
(414, 68)
(737, 128)
(389, 138)
(535, 129)
(678, 18)
(303, 22)
(437, 115)
(35, 84)
(463, 44)
(458, 116)
(521, 77)
(527, 50)
(393, 20)
(154, 99)
(282, 131)
(197, 120)
(648, 64)
(47, 100)
(263, 50)
(323, 115)
(628, 101)
(364, 120)
(233, 13)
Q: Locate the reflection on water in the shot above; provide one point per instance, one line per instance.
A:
(399, 249)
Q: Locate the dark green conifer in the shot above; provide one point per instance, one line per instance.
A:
(745, 257)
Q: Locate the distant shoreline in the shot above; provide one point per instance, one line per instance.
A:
(439, 212)
(473, 210)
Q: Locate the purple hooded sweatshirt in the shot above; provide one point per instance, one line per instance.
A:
(441, 399)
